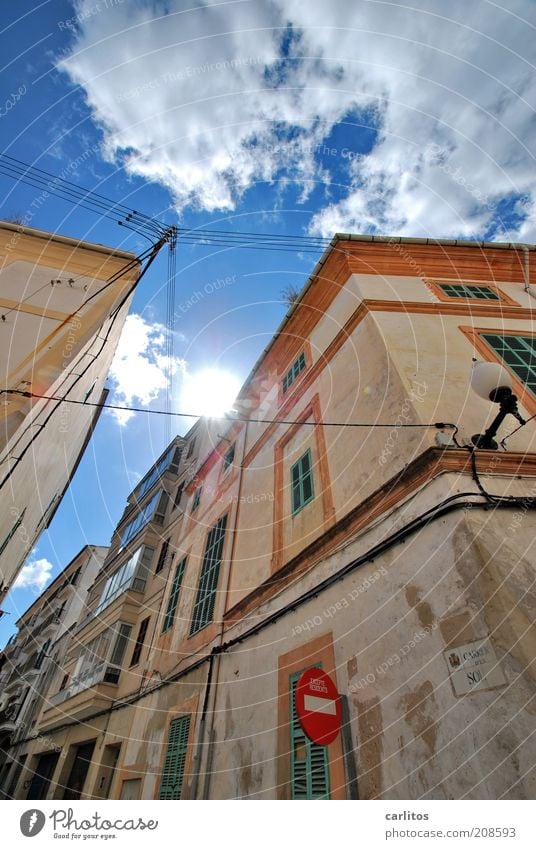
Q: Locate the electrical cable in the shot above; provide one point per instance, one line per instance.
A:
(113, 318)
(437, 511)
(508, 435)
(370, 425)
(93, 201)
(496, 499)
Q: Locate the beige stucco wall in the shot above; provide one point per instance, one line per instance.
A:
(49, 337)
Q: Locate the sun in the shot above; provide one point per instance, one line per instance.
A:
(210, 392)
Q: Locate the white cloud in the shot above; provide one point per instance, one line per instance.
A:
(34, 575)
(139, 371)
(209, 100)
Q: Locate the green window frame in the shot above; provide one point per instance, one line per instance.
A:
(208, 580)
(296, 368)
(302, 482)
(309, 767)
(197, 499)
(173, 600)
(518, 353)
(465, 290)
(175, 760)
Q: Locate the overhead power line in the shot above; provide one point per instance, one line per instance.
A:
(229, 417)
(144, 225)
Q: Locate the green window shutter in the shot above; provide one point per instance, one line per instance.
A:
(309, 770)
(301, 478)
(174, 596)
(173, 772)
(13, 530)
(518, 353)
(208, 580)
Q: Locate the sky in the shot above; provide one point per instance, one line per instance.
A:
(266, 116)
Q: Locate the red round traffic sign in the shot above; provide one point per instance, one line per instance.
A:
(318, 706)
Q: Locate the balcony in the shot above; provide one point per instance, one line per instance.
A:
(8, 719)
(78, 705)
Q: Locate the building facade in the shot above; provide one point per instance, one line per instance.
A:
(63, 304)
(340, 519)
(30, 663)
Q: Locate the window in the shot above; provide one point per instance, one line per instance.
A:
(463, 290)
(169, 462)
(99, 660)
(162, 557)
(140, 639)
(516, 352)
(208, 581)
(63, 683)
(309, 770)
(120, 646)
(178, 496)
(131, 573)
(173, 772)
(74, 577)
(41, 656)
(155, 509)
(301, 478)
(196, 499)
(174, 596)
(191, 449)
(228, 458)
(296, 369)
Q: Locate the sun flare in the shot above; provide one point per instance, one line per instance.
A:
(210, 392)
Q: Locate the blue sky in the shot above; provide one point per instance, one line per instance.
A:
(370, 116)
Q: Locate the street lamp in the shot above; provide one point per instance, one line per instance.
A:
(492, 382)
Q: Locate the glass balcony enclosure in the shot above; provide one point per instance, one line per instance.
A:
(131, 574)
(99, 662)
(170, 460)
(154, 509)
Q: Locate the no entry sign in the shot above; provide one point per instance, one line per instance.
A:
(318, 706)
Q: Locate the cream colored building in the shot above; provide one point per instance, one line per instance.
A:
(352, 529)
(33, 656)
(63, 304)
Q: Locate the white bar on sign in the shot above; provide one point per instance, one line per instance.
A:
(320, 705)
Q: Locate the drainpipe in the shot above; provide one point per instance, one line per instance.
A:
(217, 650)
(201, 734)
